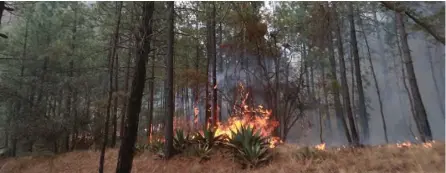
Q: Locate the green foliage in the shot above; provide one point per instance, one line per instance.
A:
(208, 137)
(250, 147)
(156, 146)
(181, 140)
(201, 150)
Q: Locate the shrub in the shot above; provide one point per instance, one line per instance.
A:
(181, 140)
(251, 149)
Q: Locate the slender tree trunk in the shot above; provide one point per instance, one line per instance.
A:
(431, 65)
(214, 65)
(127, 148)
(326, 104)
(420, 116)
(210, 57)
(220, 58)
(359, 86)
(115, 103)
(354, 139)
(126, 89)
(403, 74)
(196, 88)
(110, 93)
(335, 88)
(378, 91)
(151, 96)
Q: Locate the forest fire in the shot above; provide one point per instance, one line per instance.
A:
(258, 118)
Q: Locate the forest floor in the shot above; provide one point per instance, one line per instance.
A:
(286, 158)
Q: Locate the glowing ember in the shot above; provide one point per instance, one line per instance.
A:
(427, 145)
(320, 146)
(403, 145)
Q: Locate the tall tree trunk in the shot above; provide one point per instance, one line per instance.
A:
(354, 139)
(70, 88)
(403, 75)
(214, 64)
(335, 88)
(359, 86)
(221, 62)
(126, 89)
(326, 104)
(420, 112)
(151, 96)
(170, 105)
(127, 148)
(110, 93)
(431, 65)
(378, 91)
(115, 103)
(382, 54)
(196, 87)
(210, 57)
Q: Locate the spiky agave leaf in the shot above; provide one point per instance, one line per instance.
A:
(250, 147)
(181, 140)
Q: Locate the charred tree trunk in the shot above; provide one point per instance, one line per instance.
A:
(359, 86)
(420, 116)
(127, 149)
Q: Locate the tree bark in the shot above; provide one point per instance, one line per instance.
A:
(170, 106)
(127, 148)
(359, 86)
(214, 65)
(420, 116)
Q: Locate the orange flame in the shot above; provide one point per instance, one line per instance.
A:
(258, 118)
(320, 146)
(403, 145)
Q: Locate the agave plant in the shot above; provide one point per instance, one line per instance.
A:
(250, 147)
(202, 150)
(181, 140)
(156, 146)
(208, 137)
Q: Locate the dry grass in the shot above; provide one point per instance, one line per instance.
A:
(286, 158)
